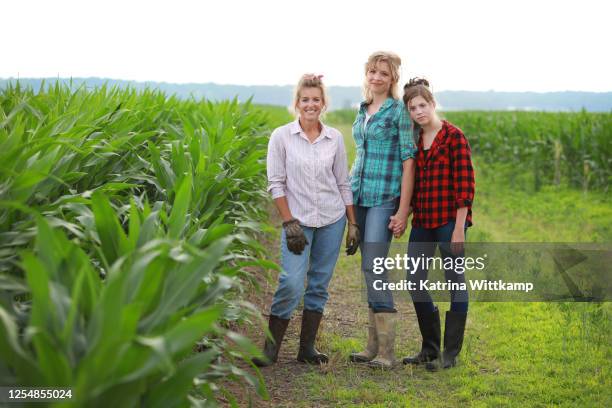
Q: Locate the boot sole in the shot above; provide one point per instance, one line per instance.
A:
(409, 360)
(374, 364)
(263, 363)
(413, 362)
(442, 366)
(359, 359)
(313, 362)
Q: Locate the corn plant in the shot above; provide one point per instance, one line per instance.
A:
(535, 149)
(127, 223)
(571, 148)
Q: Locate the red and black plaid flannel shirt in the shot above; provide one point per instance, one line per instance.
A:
(444, 179)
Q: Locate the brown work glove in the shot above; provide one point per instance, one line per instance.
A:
(296, 240)
(352, 239)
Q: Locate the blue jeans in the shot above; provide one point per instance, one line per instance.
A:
(423, 243)
(316, 264)
(375, 241)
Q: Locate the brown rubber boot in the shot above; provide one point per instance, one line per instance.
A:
(385, 329)
(277, 327)
(310, 326)
(372, 348)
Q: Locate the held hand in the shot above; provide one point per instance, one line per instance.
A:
(457, 241)
(398, 224)
(296, 240)
(352, 239)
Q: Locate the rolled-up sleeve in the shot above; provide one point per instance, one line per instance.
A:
(340, 170)
(406, 141)
(463, 172)
(275, 165)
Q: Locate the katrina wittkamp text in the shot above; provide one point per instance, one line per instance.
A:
(478, 285)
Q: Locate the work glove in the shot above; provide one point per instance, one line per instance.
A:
(296, 240)
(352, 239)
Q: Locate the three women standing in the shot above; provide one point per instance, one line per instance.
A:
(308, 180)
(309, 184)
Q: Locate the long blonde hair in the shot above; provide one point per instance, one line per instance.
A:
(394, 62)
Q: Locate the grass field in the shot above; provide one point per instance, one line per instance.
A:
(515, 354)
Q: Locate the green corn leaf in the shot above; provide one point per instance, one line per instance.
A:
(14, 354)
(215, 233)
(164, 394)
(134, 229)
(182, 201)
(112, 237)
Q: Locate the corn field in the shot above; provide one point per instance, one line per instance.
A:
(535, 149)
(128, 222)
(574, 149)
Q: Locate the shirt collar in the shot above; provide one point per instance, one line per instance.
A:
(439, 136)
(388, 102)
(295, 128)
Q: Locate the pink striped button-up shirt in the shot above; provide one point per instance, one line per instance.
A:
(313, 176)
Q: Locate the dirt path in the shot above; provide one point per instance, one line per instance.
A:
(345, 317)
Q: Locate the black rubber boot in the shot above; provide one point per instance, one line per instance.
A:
(310, 325)
(454, 329)
(277, 327)
(429, 324)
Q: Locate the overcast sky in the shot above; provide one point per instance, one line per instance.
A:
(534, 45)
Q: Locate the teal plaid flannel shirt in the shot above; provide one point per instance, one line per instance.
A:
(387, 141)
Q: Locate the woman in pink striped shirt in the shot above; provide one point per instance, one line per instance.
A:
(308, 179)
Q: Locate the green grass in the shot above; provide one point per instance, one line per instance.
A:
(515, 354)
(503, 213)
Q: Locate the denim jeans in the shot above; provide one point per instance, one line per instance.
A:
(375, 242)
(316, 264)
(423, 243)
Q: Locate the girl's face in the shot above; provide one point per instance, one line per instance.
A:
(379, 78)
(421, 111)
(310, 104)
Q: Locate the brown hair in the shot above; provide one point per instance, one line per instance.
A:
(310, 81)
(417, 87)
(394, 62)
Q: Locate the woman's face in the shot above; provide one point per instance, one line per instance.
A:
(421, 111)
(310, 104)
(379, 78)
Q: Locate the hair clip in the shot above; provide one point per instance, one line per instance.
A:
(417, 81)
(312, 77)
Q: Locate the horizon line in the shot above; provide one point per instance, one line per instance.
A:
(145, 82)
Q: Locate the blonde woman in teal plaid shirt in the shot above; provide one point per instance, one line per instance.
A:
(382, 180)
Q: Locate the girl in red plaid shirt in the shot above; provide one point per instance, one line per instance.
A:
(442, 212)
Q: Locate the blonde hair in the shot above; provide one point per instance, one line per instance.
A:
(394, 62)
(310, 81)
